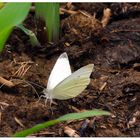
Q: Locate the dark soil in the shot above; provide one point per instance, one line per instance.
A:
(114, 86)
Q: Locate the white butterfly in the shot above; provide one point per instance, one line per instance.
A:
(63, 84)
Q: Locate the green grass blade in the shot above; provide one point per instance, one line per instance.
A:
(49, 12)
(33, 39)
(1, 4)
(11, 15)
(82, 115)
(36, 128)
(67, 117)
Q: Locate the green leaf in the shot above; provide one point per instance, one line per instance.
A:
(3, 37)
(11, 15)
(81, 115)
(35, 128)
(67, 117)
(1, 5)
(33, 39)
(49, 12)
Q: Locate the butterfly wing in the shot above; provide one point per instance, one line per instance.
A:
(60, 71)
(74, 84)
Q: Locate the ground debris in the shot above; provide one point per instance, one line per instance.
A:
(114, 86)
(70, 132)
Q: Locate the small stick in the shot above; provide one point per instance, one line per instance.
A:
(18, 71)
(19, 122)
(85, 14)
(103, 86)
(70, 132)
(62, 10)
(22, 70)
(106, 17)
(6, 82)
(3, 103)
(75, 109)
(26, 71)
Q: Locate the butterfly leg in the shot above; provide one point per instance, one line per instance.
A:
(46, 100)
(51, 101)
(41, 97)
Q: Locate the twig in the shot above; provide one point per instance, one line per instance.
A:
(18, 122)
(85, 14)
(70, 132)
(6, 82)
(106, 17)
(22, 69)
(3, 103)
(62, 11)
(26, 71)
(75, 109)
(103, 86)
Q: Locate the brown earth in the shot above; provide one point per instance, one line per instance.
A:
(114, 86)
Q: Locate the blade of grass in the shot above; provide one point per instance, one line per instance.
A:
(11, 15)
(49, 12)
(33, 39)
(82, 115)
(1, 4)
(67, 117)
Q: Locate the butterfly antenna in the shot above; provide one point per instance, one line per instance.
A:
(27, 82)
(35, 84)
(32, 87)
(40, 98)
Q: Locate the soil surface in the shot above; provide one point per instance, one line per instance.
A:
(115, 82)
